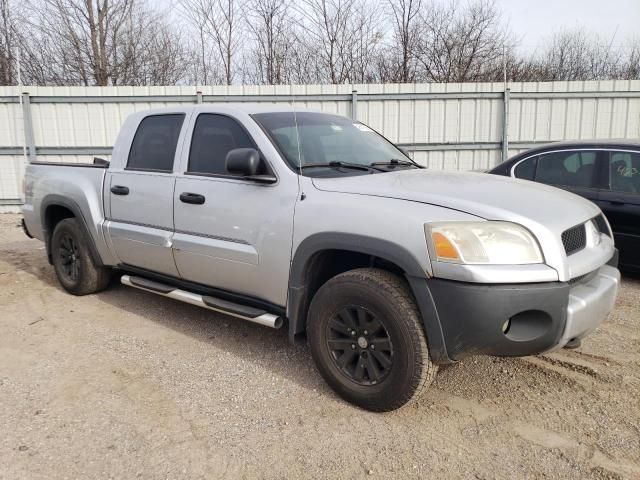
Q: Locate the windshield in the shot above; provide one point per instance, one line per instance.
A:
(329, 141)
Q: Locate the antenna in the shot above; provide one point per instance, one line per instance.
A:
(295, 122)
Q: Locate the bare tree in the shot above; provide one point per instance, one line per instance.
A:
(577, 54)
(218, 25)
(271, 28)
(151, 54)
(101, 42)
(83, 34)
(337, 32)
(196, 17)
(6, 45)
(131, 42)
(367, 44)
(463, 44)
(399, 65)
(630, 63)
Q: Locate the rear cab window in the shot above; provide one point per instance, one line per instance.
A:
(154, 144)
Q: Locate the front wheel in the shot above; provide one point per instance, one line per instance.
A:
(367, 340)
(74, 267)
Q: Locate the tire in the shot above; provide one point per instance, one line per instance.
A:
(75, 269)
(378, 306)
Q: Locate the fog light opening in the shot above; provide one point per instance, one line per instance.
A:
(527, 326)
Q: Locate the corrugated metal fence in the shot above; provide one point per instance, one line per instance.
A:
(445, 126)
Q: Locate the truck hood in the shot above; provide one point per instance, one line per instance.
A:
(540, 208)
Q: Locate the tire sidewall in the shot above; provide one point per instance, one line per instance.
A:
(328, 301)
(70, 227)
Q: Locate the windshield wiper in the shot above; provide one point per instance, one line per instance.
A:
(395, 162)
(338, 164)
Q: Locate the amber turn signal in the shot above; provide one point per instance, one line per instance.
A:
(443, 247)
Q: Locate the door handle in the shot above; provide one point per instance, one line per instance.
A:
(616, 202)
(193, 198)
(120, 190)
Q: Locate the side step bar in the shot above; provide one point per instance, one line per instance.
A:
(251, 314)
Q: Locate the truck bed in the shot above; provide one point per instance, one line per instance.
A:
(79, 186)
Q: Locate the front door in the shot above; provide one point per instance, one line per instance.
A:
(140, 223)
(231, 233)
(572, 170)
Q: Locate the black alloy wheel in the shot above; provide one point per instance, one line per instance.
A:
(70, 257)
(367, 339)
(75, 268)
(360, 345)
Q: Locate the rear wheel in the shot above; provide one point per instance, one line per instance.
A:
(74, 267)
(367, 340)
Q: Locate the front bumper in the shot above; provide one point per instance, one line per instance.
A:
(512, 320)
(589, 304)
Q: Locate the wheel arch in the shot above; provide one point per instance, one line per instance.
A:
(322, 256)
(55, 208)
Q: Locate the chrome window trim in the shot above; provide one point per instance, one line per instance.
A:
(513, 167)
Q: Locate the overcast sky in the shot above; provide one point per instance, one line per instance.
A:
(532, 20)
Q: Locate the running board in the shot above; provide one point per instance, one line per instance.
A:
(251, 314)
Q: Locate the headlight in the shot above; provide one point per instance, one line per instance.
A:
(593, 233)
(496, 243)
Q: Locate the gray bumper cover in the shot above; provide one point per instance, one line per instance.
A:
(589, 304)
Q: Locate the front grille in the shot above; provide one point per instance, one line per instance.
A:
(574, 239)
(602, 225)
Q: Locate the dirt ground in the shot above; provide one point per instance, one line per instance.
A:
(126, 384)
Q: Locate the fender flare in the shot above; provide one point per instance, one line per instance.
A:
(58, 200)
(302, 264)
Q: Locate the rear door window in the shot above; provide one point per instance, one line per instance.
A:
(570, 168)
(526, 169)
(624, 172)
(213, 137)
(154, 144)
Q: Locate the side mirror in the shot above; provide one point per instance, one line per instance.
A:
(100, 161)
(243, 161)
(246, 162)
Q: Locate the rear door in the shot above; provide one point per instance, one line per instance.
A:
(620, 202)
(141, 196)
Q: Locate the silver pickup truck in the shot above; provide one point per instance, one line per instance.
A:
(281, 216)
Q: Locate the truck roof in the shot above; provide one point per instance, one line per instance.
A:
(249, 108)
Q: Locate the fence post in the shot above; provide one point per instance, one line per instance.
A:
(354, 104)
(28, 126)
(505, 124)
(198, 97)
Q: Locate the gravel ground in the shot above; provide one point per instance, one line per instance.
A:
(126, 384)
